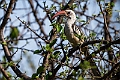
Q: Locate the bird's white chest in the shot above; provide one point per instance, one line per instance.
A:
(70, 35)
(74, 40)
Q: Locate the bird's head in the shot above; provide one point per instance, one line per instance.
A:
(70, 15)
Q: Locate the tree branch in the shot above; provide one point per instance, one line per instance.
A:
(111, 71)
(103, 48)
(4, 73)
(36, 18)
(95, 52)
(108, 44)
(106, 27)
(5, 47)
(8, 12)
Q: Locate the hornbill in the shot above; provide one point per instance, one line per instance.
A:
(71, 30)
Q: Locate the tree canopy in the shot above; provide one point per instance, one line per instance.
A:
(34, 46)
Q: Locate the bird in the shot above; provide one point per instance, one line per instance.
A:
(74, 34)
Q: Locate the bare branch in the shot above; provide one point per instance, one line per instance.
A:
(5, 47)
(37, 20)
(6, 16)
(4, 73)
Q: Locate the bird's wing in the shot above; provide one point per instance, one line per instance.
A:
(77, 30)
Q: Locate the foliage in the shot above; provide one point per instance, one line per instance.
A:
(33, 46)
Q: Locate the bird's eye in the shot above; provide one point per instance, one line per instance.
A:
(68, 12)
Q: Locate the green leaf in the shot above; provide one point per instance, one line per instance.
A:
(56, 54)
(61, 6)
(58, 27)
(112, 4)
(48, 48)
(93, 55)
(63, 35)
(63, 73)
(52, 7)
(73, 73)
(109, 48)
(80, 78)
(11, 63)
(34, 75)
(94, 15)
(52, 56)
(4, 43)
(52, 43)
(40, 69)
(14, 33)
(85, 65)
(50, 73)
(82, 21)
(9, 74)
(53, 24)
(73, 6)
(99, 45)
(92, 34)
(37, 51)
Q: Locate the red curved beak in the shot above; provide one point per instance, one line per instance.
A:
(59, 13)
